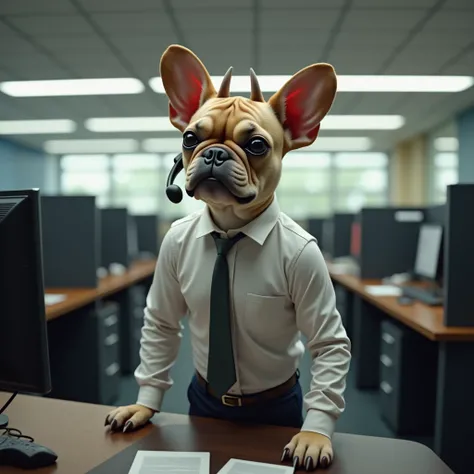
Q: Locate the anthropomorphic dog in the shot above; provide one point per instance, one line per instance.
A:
(274, 283)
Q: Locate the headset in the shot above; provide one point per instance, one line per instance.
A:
(173, 191)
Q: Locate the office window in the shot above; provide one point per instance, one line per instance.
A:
(86, 174)
(443, 161)
(361, 179)
(136, 182)
(312, 184)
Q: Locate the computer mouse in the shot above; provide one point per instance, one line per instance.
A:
(405, 300)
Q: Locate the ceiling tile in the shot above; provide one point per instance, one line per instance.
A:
(140, 23)
(451, 20)
(73, 44)
(61, 25)
(464, 66)
(319, 4)
(203, 4)
(374, 103)
(346, 62)
(271, 62)
(383, 18)
(13, 7)
(442, 38)
(365, 40)
(218, 19)
(459, 4)
(419, 62)
(295, 39)
(14, 46)
(122, 5)
(303, 19)
(104, 65)
(394, 3)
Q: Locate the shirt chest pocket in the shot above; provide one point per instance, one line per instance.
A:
(269, 318)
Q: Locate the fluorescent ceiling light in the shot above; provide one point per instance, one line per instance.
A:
(362, 122)
(163, 145)
(129, 124)
(446, 144)
(380, 83)
(31, 127)
(59, 147)
(173, 145)
(66, 87)
(163, 124)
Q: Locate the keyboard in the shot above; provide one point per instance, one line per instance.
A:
(422, 295)
(16, 452)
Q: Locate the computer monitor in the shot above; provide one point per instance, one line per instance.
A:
(428, 254)
(24, 356)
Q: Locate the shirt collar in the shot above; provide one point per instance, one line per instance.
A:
(258, 229)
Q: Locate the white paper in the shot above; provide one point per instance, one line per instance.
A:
(170, 462)
(236, 466)
(51, 298)
(383, 290)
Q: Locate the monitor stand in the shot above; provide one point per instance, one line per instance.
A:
(3, 421)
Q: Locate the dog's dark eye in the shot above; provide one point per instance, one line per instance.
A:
(190, 141)
(257, 146)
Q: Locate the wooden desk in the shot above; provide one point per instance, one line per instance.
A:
(75, 432)
(424, 319)
(454, 419)
(77, 298)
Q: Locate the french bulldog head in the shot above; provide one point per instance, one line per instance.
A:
(233, 146)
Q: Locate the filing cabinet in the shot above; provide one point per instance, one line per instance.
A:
(84, 354)
(344, 304)
(132, 302)
(408, 367)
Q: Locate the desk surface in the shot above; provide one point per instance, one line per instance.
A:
(424, 319)
(75, 431)
(78, 297)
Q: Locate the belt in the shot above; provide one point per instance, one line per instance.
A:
(252, 399)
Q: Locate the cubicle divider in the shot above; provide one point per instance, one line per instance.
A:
(315, 228)
(148, 234)
(389, 239)
(336, 235)
(118, 237)
(459, 256)
(71, 241)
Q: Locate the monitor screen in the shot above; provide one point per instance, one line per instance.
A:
(428, 251)
(24, 356)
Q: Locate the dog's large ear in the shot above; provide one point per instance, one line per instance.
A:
(302, 103)
(187, 84)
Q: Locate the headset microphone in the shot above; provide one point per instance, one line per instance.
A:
(173, 191)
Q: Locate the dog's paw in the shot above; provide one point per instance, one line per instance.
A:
(128, 418)
(309, 450)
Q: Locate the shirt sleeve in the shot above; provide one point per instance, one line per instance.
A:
(162, 328)
(318, 319)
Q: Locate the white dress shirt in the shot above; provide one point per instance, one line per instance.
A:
(280, 287)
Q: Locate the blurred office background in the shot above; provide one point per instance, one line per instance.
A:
(400, 132)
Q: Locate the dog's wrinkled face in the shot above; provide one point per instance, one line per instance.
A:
(233, 146)
(232, 151)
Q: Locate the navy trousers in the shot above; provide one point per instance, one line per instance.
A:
(286, 410)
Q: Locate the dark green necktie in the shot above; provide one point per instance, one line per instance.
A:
(221, 367)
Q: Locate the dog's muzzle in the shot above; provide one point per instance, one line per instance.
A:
(216, 164)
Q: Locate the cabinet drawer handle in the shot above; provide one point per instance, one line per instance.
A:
(385, 359)
(110, 320)
(111, 339)
(388, 338)
(112, 369)
(386, 388)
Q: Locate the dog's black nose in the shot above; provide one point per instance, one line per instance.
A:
(215, 156)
